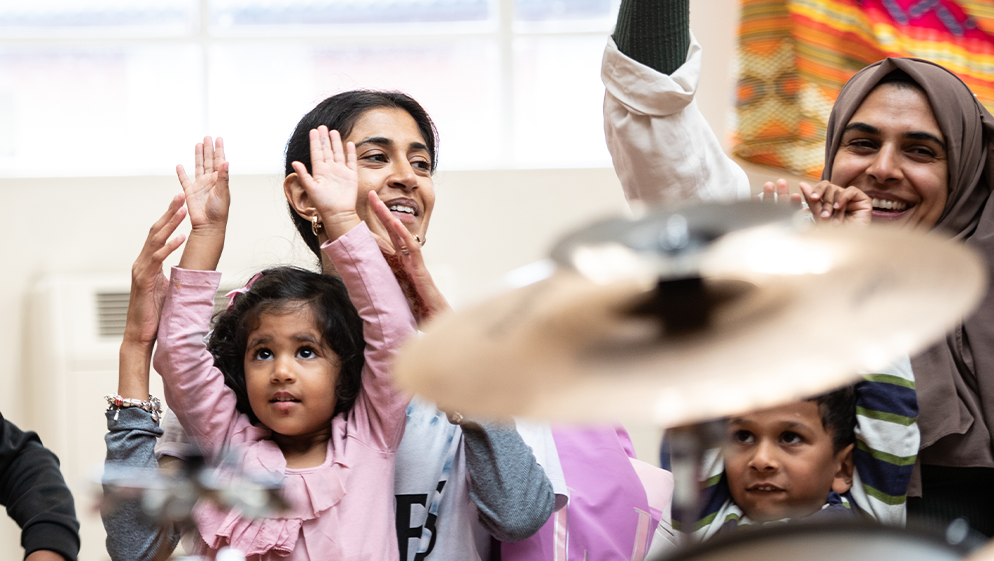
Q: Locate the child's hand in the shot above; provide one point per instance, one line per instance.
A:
(148, 283)
(207, 196)
(838, 205)
(405, 259)
(779, 193)
(333, 184)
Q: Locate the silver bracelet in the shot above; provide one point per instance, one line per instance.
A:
(116, 403)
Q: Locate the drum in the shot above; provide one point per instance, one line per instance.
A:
(834, 541)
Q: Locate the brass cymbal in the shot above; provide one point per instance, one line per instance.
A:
(792, 312)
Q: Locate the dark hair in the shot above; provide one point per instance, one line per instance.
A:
(838, 415)
(278, 290)
(902, 80)
(340, 112)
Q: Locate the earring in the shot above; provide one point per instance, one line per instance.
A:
(315, 225)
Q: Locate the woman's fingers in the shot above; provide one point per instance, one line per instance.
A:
(350, 158)
(160, 256)
(181, 175)
(814, 205)
(839, 205)
(317, 152)
(820, 199)
(828, 196)
(158, 246)
(327, 153)
(169, 217)
(165, 227)
(402, 240)
(337, 151)
(305, 178)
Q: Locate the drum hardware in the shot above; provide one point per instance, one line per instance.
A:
(668, 321)
(824, 541)
(169, 499)
(687, 447)
(681, 317)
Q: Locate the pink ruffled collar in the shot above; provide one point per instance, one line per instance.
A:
(311, 493)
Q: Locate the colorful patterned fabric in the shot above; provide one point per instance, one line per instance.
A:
(795, 56)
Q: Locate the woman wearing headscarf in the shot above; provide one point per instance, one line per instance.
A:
(955, 378)
(907, 143)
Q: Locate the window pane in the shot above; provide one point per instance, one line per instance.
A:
(559, 10)
(259, 92)
(99, 18)
(558, 102)
(98, 111)
(232, 14)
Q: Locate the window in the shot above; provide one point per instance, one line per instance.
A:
(126, 87)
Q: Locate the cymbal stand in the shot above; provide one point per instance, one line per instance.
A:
(687, 447)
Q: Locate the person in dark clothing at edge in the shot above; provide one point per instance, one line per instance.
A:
(36, 496)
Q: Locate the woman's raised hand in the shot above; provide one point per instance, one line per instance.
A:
(207, 199)
(837, 205)
(148, 290)
(333, 183)
(408, 265)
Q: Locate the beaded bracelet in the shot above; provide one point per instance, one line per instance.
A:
(116, 403)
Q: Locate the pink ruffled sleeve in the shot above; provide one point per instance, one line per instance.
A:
(380, 410)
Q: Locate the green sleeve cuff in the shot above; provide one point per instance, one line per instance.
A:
(655, 33)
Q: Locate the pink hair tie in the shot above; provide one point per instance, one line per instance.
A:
(243, 290)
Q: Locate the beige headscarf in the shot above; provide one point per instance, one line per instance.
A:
(955, 378)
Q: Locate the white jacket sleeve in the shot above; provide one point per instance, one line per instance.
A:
(664, 152)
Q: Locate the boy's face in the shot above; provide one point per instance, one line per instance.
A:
(779, 462)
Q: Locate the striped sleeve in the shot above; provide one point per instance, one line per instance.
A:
(719, 510)
(887, 440)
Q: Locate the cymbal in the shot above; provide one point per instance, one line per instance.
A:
(791, 312)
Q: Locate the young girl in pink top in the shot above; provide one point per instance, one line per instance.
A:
(308, 397)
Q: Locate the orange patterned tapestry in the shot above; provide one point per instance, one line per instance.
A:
(795, 55)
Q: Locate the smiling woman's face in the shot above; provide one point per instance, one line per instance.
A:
(394, 161)
(893, 150)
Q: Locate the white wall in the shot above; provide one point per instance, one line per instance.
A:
(485, 223)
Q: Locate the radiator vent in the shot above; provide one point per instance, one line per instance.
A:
(112, 311)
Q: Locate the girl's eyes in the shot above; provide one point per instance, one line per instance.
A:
(267, 354)
(791, 438)
(421, 165)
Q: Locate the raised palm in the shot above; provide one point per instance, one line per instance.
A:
(333, 182)
(207, 196)
(148, 283)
